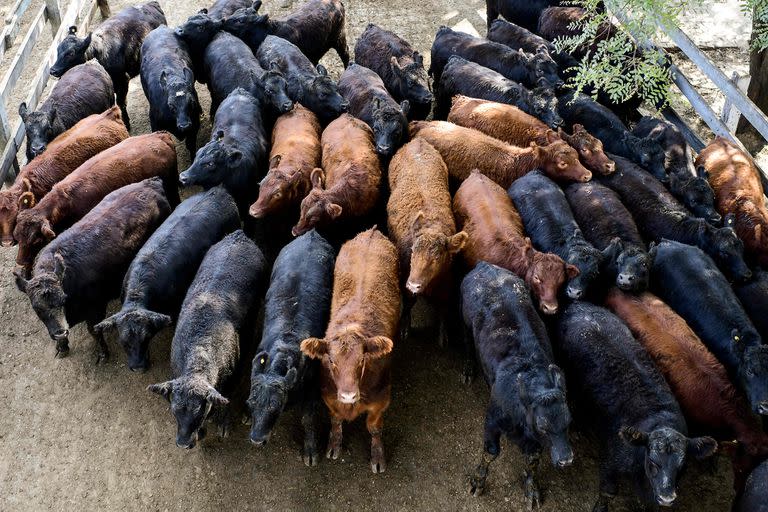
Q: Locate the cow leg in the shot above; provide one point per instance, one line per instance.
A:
(190, 141)
(102, 351)
(341, 47)
(375, 424)
(532, 495)
(490, 12)
(62, 346)
(121, 91)
(491, 450)
(310, 421)
(334, 438)
(405, 319)
(470, 363)
(608, 487)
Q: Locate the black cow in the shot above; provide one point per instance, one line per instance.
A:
(601, 122)
(169, 85)
(550, 224)
(80, 271)
(400, 67)
(116, 44)
(528, 401)
(626, 401)
(521, 12)
(238, 150)
(83, 90)
(369, 101)
(310, 86)
(158, 278)
(229, 64)
(688, 280)
(609, 226)
(206, 347)
(315, 27)
(755, 496)
(470, 79)
(754, 297)
(297, 307)
(688, 184)
(520, 38)
(659, 215)
(522, 67)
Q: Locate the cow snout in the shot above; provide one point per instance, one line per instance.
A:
(668, 500)
(548, 308)
(287, 106)
(37, 149)
(574, 293)
(184, 179)
(586, 177)
(382, 149)
(609, 167)
(7, 242)
(565, 462)
(179, 31)
(55, 72)
(258, 439)
(762, 408)
(344, 106)
(139, 367)
(715, 218)
(413, 287)
(348, 398)
(183, 126)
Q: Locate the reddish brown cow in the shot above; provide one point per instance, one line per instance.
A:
(63, 155)
(421, 223)
(349, 185)
(738, 194)
(513, 126)
(295, 153)
(485, 211)
(355, 375)
(132, 160)
(464, 149)
(700, 383)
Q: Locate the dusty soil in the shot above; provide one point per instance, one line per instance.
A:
(75, 436)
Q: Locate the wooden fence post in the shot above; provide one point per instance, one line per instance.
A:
(54, 14)
(104, 8)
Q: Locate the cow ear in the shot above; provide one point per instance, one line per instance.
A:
(729, 220)
(47, 231)
(163, 389)
(23, 111)
(316, 348)
(419, 222)
(701, 172)
(571, 271)
(73, 30)
(405, 107)
(528, 248)
(256, 5)
(26, 185)
(58, 265)
(377, 346)
(163, 78)
(105, 325)
(701, 447)
(21, 281)
(394, 64)
(418, 58)
(633, 436)
(552, 136)
(214, 397)
(219, 135)
(189, 76)
(26, 200)
(275, 161)
(204, 10)
(290, 378)
(86, 42)
(333, 210)
(321, 70)
(542, 49)
(260, 362)
(317, 177)
(613, 249)
(653, 249)
(159, 320)
(457, 242)
(563, 135)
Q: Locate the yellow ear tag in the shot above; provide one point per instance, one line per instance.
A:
(736, 338)
(263, 360)
(26, 201)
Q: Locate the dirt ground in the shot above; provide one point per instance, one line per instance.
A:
(75, 436)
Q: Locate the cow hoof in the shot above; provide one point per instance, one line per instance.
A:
(102, 357)
(311, 459)
(61, 353)
(223, 430)
(246, 419)
(532, 497)
(378, 467)
(476, 486)
(333, 452)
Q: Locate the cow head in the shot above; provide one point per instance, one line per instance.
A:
(344, 358)
(33, 231)
(590, 150)
(630, 264)
(281, 187)
(317, 209)
(725, 247)
(39, 129)
(649, 153)
(192, 397)
(431, 254)
(588, 260)
(10, 205)
(271, 381)
(389, 125)
(546, 275)
(544, 104)
(411, 80)
(70, 53)
(247, 24)
(135, 328)
(182, 101)
(541, 392)
(696, 194)
(213, 163)
(276, 89)
(753, 370)
(46, 293)
(545, 67)
(665, 451)
(198, 31)
(321, 96)
(560, 161)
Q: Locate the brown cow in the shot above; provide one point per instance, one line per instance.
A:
(132, 160)
(513, 126)
(350, 183)
(738, 194)
(485, 211)
(707, 397)
(355, 375)
(295, 153)
(464, 149)
(63, 155)
(421, 222)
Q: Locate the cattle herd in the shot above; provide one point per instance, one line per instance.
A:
(577, 254)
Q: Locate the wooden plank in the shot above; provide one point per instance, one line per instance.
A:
(54, 14)
(11, 30)
(104, 8)
(17, 10)
(20, 60)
